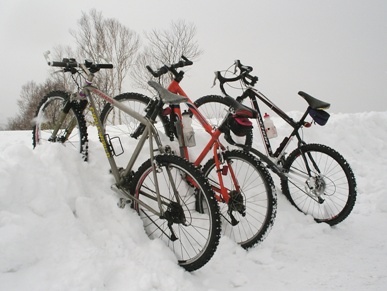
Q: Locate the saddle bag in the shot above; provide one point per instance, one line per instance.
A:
(240, 126)
(319, 116)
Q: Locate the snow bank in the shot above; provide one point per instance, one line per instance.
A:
(60, 228)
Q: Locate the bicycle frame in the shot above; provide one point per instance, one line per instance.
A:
(89, 92)
(150, 134)
(274, 159)
(213, 143)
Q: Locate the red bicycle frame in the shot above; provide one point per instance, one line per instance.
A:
(214, 144)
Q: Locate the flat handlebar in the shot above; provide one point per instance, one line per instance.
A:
(69, 63)
(172, 68)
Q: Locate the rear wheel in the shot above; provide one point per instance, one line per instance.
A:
(72, 131)
(249, 215)
(191, 233)
(329, 192)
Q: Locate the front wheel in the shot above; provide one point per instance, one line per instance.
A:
(58, 120)
(250, 212)
(119, 123)
(120, 126)
(192, 233)
(215, 108)
(320, 183)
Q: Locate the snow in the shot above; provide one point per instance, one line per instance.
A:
(61, 229)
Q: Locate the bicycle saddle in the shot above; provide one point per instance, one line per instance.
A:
(165, 95)
(314, 103)
(240, 109)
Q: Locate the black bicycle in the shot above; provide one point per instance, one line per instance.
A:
(315, 178)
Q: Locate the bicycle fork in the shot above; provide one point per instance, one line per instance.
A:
(58, 125)
(314, 183)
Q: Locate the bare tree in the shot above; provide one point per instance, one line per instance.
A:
(30, 97)
(165, 47)
(106, 40)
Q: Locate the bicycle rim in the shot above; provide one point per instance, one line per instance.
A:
(214, 108)
(196, 239)
(256, 198)
(72, 132)
(329, 194)
(119, 126)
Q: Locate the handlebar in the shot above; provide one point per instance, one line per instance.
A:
(172, 68)
(69, 65)
(244, 76)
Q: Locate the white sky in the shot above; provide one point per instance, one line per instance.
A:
(334, 50)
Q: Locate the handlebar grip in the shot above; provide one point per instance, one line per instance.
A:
(172, 68)
(187, 61)
(151, 71)
(105, 66)
(63, 64)
(163, 70)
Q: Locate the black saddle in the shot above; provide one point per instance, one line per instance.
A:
(314, 103)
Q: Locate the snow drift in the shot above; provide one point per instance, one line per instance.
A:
(60, 228)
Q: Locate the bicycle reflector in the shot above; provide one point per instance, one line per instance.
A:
(240, 126)
(319, 116)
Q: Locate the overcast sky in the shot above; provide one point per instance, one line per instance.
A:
(335, 50)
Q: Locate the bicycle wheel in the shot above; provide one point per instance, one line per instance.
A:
(192, 234)
(118, 123)
(329, 192)
(215, 108)
(72, 131)
(251, 210)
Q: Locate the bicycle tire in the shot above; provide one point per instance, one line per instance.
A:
(338, 184)
(48, 113)
(258, 197)
(196, 242)
(122, 123)
(118, 124)
(214, 108)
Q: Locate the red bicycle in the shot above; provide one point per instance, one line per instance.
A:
(242, 185)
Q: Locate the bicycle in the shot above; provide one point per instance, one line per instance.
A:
(242, 185)
(162, 191)
(315, 178)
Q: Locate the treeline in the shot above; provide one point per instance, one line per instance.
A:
(107, 40)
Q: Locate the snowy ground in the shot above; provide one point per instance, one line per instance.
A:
(60, 228)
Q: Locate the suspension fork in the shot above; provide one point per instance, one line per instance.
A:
(63, 114)
(73, 122)
(305, 158)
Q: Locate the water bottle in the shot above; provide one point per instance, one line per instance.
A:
(270, 128)
(188, 131)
